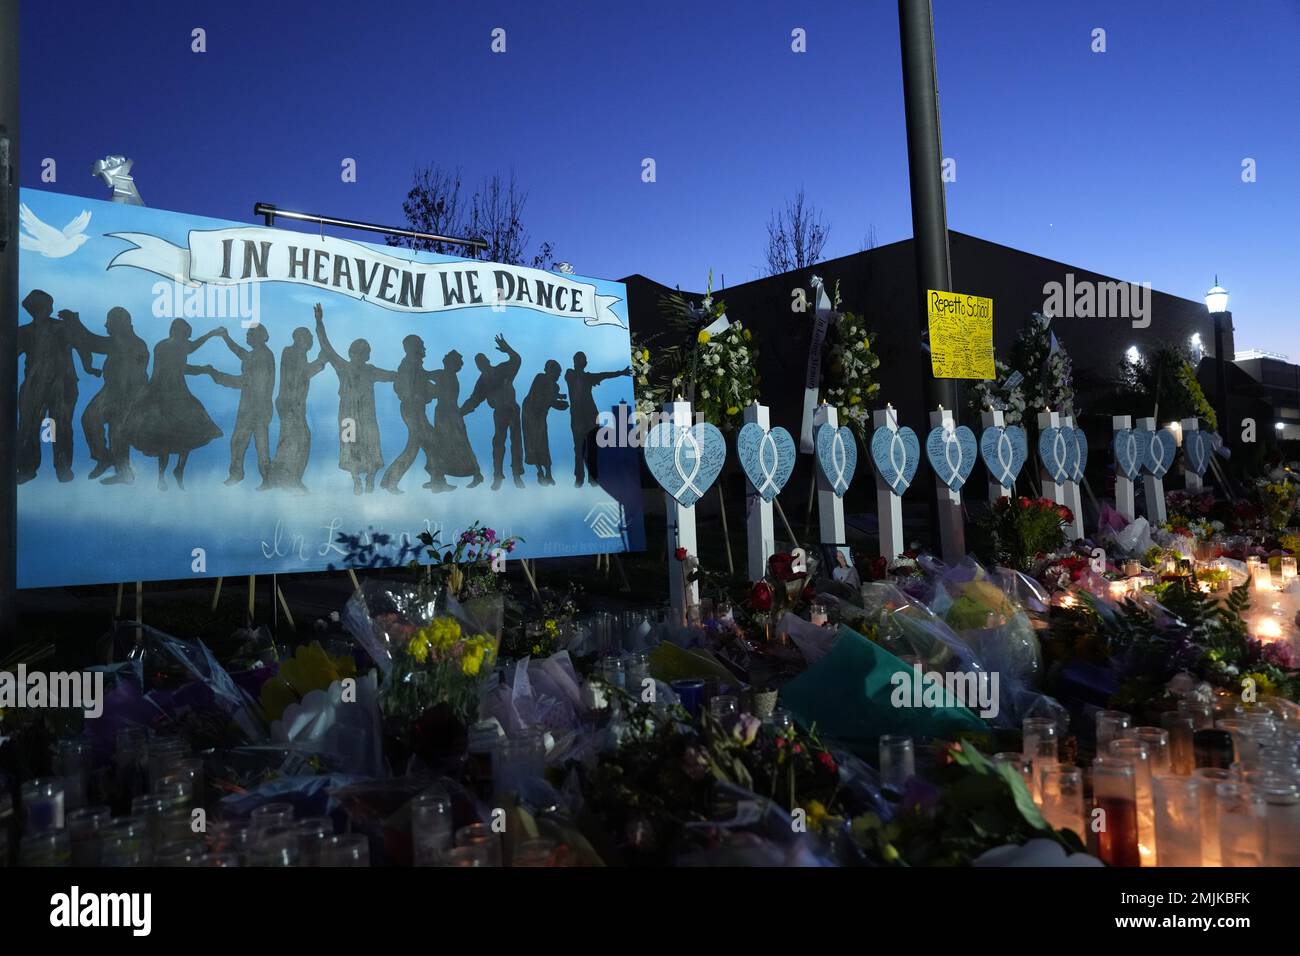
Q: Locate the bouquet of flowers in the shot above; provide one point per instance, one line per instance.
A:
(848, 380)
(469, 569)
(1015, 531)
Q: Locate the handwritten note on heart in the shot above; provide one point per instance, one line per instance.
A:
(952, 453)
(767, 455)
(1004, 450)
(685, 460)
(837, 456)
(896, 455)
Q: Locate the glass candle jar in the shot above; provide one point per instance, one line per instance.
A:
(1111, 725)
(1178, 819)
(1212, 748)
(1281, 808)
(690, 693)
(72, 763)
(897, 760)
(270, 815)
(484, 738)
(1035, 729)
(179, 853)
(45, 848)
(273, 845)
(1157, 741)
(312, 832)
(478, 836)
(1114, 794)
(1020, 764)
(517, 760)
(1241, 824)
(345, 849)
(1180, 727)
(817, 615)
(127, 841)
(1136, 752)
(638, 672)
(1208, 780)
(536, 853)
(1062, 797)
(431, 827)
(164, 754)
(724, 706)
(475, 855)
(1201, 712)
(43, 805)
(84, 828)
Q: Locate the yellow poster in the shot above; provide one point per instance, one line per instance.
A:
(961, 335)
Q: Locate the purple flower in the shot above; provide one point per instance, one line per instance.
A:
(746, 728)
(489, 534)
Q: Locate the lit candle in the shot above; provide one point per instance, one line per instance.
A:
(1288, 567)
(1118, 590)
(817, 614)
(1263, 577)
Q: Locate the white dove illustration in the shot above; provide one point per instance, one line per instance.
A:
(47, 240)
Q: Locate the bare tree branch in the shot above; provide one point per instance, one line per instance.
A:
(796, 235)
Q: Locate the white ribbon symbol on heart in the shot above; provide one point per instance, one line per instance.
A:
(897, 458)
(839, 459)
(1130, 446)
(768, 444)
(1006, 456)
(1059, 454)
(688, 480)
(949, 443)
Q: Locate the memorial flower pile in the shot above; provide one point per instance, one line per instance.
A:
(848, 383)
(1015, 532)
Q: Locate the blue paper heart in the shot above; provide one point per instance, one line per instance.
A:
(1059, 453)
(1129, 447)
(1160, 452)
(767, 455)
(952, 453)
(896, 455)
(685, 460)
(1005, 451)
(1081, 454)
(837, 455)
(1198, 446)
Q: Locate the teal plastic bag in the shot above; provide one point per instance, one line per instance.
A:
(847, 694)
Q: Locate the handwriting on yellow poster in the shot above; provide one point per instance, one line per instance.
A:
(961, 335)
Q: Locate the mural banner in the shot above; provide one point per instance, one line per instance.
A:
(200, 398)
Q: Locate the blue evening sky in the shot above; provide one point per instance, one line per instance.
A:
(1127, 162)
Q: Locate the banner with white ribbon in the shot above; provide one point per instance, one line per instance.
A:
(822, 314)
(259, 254)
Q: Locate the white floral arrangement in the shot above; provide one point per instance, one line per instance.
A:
(848, 378)
(725, 372)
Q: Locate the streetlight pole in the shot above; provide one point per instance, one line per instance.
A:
(924, 161)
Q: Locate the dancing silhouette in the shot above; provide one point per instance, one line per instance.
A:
(359, 451)
(541, 398)
(583, 417)
(256, 384)
(166, 419)
(414, 392)
(452, 454)
(496, 386)
(293, 446)
(125, 373)
(49, 388)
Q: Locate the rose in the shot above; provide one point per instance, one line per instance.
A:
(746, 728)
(781, 566)
(761, 596)
(680, 554)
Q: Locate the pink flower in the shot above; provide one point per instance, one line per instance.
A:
(746, 728)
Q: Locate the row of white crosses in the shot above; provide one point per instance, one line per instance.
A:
(686, 459)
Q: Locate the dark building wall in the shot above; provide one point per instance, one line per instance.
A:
(881, 284)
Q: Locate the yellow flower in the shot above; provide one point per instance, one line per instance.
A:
(310, 668)
(854, 400)
(732, 409)
(418, 648)
(472, 661)
(703, 337)
(748, 335)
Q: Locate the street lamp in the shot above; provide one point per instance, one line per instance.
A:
(1216, 302)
